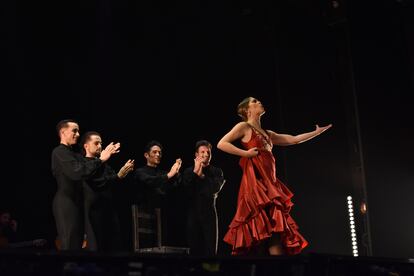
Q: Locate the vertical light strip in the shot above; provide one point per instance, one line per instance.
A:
(352, 226)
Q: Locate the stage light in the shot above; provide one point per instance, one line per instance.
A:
(352, 226)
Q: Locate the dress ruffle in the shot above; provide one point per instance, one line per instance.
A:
(263, 210)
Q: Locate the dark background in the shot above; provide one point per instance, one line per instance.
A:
(176, 71)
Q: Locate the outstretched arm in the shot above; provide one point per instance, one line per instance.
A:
(287, 139)
(239, 131)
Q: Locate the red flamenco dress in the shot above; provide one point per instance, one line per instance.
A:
(263, 204)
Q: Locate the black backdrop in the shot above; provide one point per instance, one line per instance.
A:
(176, 72)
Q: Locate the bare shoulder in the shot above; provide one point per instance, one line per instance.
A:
(242, 126)
(238, 131)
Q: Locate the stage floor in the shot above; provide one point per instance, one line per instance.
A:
(35, 262)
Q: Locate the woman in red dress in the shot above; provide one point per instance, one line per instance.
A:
(262, 218)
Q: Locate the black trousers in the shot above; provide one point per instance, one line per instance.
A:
(69, 218)
(202, 229)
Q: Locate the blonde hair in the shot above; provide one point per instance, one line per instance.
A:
(242, 108)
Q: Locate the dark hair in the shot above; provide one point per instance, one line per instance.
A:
(242, 108)
(85, 138)
(150, 144)
(202, 143)
(63, 124)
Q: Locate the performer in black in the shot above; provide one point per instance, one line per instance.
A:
(203, 182)
(101, 220)
(70, 169)
(153, 184)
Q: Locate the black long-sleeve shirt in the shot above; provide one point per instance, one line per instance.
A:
(153, 185)
(209, 186)
(102, 178)
(70, 168)
(202, 190)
